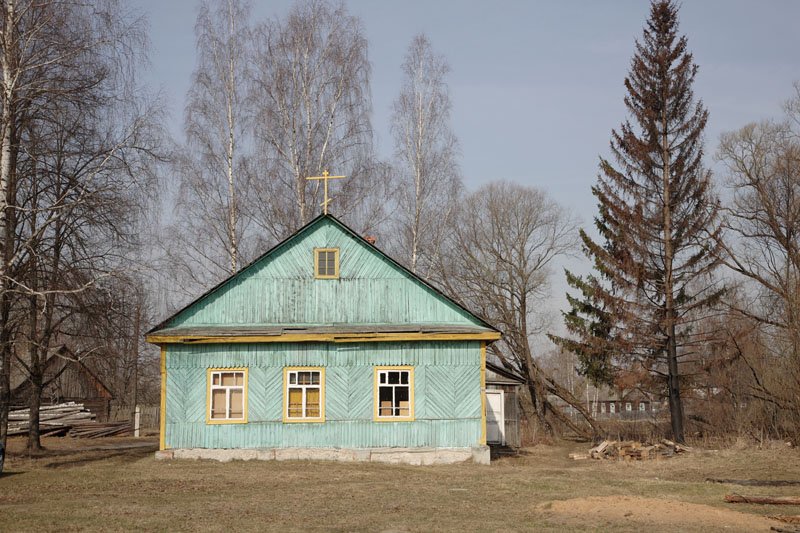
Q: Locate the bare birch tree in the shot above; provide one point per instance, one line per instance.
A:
(212, 165)
(310, 92)
(80, 138)
(425, 154)
(505, 239)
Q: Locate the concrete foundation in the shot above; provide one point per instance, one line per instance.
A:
(411, 456)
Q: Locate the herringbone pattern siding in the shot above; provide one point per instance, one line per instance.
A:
(360, 393)
(258, 405)
(439, 393)
(337, 387)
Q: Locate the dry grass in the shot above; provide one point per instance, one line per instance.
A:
(73, 489)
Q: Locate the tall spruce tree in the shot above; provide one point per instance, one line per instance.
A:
(657, 223)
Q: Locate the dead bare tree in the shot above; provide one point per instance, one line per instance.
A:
(504, 240)
(310, 92)
(212, 165)
(425, 154)
(763, 225)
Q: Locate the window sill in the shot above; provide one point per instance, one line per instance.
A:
(303, 420)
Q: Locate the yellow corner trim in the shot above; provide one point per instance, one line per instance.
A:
(323, 337)
(208, 395)
(410, 417)
(483, 395)
(162, 416)
(335, 251)
(321, 418)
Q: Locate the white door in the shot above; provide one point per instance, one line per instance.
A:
(495, 417)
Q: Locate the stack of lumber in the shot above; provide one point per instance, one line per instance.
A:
(631, 450)
(97, 430)
(54, 420)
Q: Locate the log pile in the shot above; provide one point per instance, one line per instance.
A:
(54, 420)
(97, 430)
(632, 451)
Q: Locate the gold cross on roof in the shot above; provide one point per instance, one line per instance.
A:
(325, 177)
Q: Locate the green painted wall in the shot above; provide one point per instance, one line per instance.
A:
(280, 289)
(446, 389)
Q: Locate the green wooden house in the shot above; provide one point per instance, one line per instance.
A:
(324, 347)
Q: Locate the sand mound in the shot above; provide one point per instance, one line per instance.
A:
(640, 512)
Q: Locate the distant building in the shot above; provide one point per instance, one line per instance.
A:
(630, 404)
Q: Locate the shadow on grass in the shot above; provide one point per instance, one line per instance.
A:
(497, 451)
(129, 455)
(6, 474)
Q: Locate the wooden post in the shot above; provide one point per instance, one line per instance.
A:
(482, 441)
(137, 413)
(162, 413)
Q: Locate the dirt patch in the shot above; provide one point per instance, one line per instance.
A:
(641, 512)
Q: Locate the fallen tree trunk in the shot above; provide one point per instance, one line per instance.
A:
(554, 388)
(755, 482)
(762, 500)
(789, 519)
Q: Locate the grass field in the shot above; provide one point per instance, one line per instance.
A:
(94, 485)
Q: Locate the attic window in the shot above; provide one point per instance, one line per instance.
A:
(326, 263)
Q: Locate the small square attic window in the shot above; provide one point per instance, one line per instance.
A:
(326, 263)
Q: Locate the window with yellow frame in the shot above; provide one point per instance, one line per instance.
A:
(394, 393)
(304, 394)
(227, 396)
(326, 263)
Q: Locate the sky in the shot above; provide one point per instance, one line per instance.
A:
(536, 87)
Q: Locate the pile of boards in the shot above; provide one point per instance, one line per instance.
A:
(632, 450)
(71, 419)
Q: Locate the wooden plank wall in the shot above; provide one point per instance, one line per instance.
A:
(281, 289)
(446, 383)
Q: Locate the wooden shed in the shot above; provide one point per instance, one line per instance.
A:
(502, 406)
(324, 347)
(66, 379)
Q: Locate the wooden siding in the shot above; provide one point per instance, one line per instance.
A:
(281, 289)
(447, 395)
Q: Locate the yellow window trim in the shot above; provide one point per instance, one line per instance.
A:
(321, 418)
(209, 420)
(335, 251)
(410, 417)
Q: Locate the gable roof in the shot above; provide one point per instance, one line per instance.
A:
(59, 364)
(277, 294)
